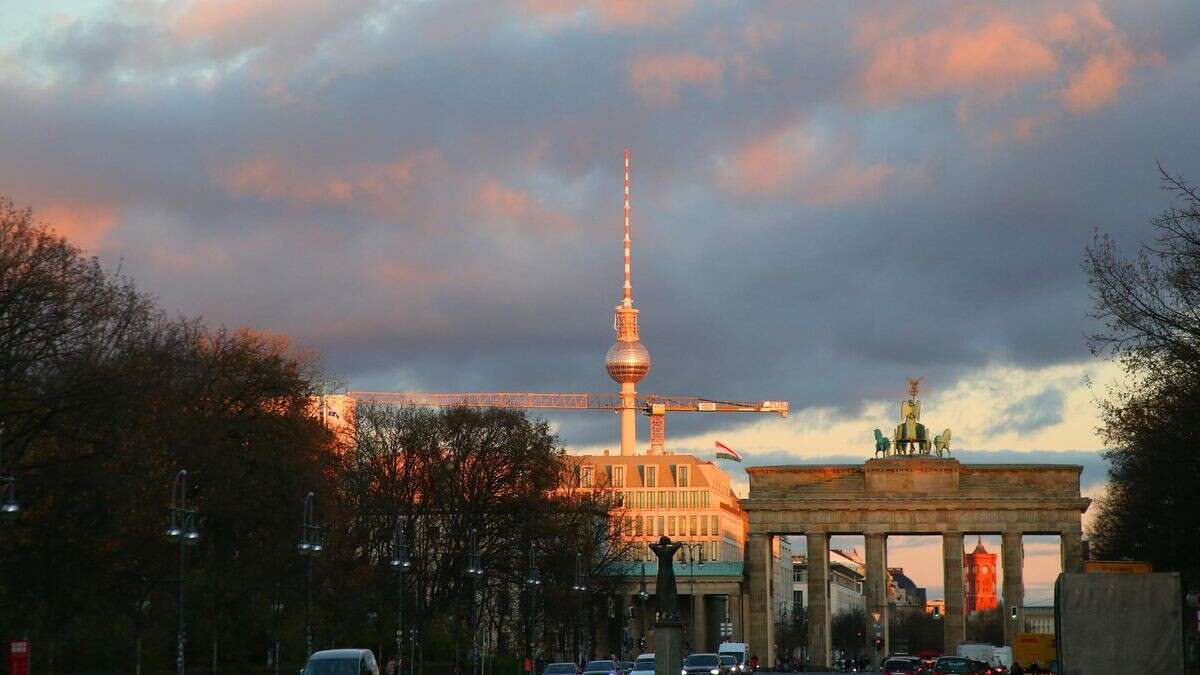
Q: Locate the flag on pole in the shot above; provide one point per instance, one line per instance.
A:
(726, 452)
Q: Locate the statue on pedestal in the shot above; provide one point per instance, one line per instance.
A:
(667, 595)
(911, 436)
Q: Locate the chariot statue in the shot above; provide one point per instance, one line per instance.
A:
(911, 437)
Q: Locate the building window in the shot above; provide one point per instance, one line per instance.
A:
(618, 476)
(671, 525)
(797, 599)
(661, 530)
(629, 527)
(693, 530)
(683, 476)
(637, 525)
(703, 527)
(585, 476)
(674, 500)
(674, 476)
(642, 473)
(716, 528)
(652, 476)
(662, 499)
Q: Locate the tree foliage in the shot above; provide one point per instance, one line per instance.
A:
(1150, 308)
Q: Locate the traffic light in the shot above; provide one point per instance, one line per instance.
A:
(878, 644)
(642, 643)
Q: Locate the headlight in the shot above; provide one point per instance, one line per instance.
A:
(714, 671)
(684, 671)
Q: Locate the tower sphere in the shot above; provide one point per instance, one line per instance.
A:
(627, 361)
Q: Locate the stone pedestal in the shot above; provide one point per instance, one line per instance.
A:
(668, 647)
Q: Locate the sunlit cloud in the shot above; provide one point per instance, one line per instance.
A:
(660, 78)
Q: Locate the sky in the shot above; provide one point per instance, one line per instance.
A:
(827, 197)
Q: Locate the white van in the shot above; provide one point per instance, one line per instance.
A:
(739, 651)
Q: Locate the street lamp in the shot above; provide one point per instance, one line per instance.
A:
(310, 546)
(642, 597)
(9, 506)
(532, 581)
(400, 563)
(475, 574)
(694, 552)
(277, 612)
(182, 530)
(580, 587)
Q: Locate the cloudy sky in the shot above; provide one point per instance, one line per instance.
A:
(828, 197)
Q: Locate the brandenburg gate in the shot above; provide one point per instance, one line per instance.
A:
(913, 490)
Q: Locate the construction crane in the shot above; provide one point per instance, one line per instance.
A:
(652, 405)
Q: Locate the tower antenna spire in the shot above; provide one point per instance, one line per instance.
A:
(627, 361)
(627, 291)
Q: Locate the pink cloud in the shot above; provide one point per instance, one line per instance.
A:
(82, 223)
(795, 163)
(610, 14)
(996, 56)
(382, 187)
(982, 54)
(659, 78)
(497, 201)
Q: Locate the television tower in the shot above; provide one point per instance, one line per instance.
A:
(627, 361)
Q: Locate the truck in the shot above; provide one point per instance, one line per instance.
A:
(1115, 623)
(1040, 648)
(993, 656)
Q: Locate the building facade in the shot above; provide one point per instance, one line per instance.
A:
(845, 582)
(979, 578)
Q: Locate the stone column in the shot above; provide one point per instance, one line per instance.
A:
(758, 575)
(1071, 547)
(1012, 557)
(734, 603)
(875, 588)
(700, 621)
(820, 652)
(952, 575)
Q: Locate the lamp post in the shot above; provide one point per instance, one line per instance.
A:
(400, 563)
(532, 581)
(580, 587)
(695, 558)
(9, 506)
(310, 546)
(277, 613)
(642, 597)
(474, 574)
(182, 530)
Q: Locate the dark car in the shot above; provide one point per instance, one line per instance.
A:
(560, 669)
(602, 668)
(958, 665)
(901, 665)
(342, 662)
(702, 664)
(728, 664)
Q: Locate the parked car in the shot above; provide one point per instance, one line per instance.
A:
(341, 662)
(702, 664)
(643, 666)
(560, 669)
(603, 668)
(729, 664)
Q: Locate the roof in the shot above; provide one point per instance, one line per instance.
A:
(337, 654)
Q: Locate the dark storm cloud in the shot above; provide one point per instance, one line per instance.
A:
(1032, 413)
(430, 193)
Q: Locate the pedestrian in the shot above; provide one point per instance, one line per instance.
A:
(1016, 669)
(392, 668)
(754, 663)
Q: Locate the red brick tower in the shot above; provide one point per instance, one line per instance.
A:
(979, 577)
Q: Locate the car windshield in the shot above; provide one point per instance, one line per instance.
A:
(954, 665)
(898, 664)
(332, 667)
(728, 660)
(560, 668)
(644, 664)
(596, 666)
(701, 660)
(737, 658)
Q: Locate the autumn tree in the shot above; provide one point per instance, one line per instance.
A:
(1149, 305)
